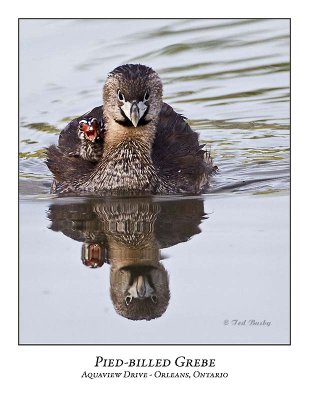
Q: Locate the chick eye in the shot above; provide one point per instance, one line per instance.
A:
(146, 96)
(120, 96)
(94, 123)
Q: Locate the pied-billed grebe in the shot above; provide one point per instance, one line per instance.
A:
(91, 142)
(147, 148)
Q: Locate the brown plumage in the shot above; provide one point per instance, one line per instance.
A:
(147, 148)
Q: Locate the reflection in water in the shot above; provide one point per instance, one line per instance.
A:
(128, 233)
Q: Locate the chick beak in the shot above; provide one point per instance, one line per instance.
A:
(134, 114)
(91, 134)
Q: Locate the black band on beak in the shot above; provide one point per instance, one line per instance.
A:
(134, 114)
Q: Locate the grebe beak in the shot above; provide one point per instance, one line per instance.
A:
(134, 111)
(134, 114)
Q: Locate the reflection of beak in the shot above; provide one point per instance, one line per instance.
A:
(140, 285)
(141, 288)
(134, 114)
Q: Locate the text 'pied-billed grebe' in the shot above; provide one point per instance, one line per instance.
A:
(134, 143)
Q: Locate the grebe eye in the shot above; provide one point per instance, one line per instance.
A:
(128, 300)
(154, 299)
(120, 96)
(146, 97)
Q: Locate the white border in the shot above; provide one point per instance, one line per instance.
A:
(255, 371)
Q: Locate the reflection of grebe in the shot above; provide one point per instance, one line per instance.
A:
(128, 233)
(148, 147)
(139, 282)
